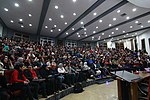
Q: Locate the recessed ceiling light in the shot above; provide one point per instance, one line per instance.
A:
(59, 30)
(22, 26)
(117, 28)
(55, 25)
(135, 33)
(74, 0)
(30, 15)
(30, 24)
(134, 9)
(84, 29)
(132, 35)
(73, 29)
(124, 36)
(12, 21)
(92, 36)
(95, 14)
(103, 33)
(131, 26)
(142, 26)
(136, 22)
(56, 7)
(30, 0)
(118, 11)
(16, 5)
(114, 19)
(51, 30)
(5, 9)
(86, 35)
(61, 16)
(50, 19)
(127, 17)
(74, 14)
(109, 35)
(20, 20)
(110, 25)
(112, 32)
(123, 31)
(94, 31)
(77, 33)
(81, 23)
(100, 20)
(84, 32)
(127, 34)
(104, 40)
(148, 21)
(46, 26)
(66, 33)
(66, 23)
(96, 27)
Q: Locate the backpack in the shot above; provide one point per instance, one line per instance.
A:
(78, 88)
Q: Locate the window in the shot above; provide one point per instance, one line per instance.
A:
(143, 44)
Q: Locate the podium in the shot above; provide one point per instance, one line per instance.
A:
(127, 85)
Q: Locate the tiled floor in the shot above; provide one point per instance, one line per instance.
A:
(96, 92)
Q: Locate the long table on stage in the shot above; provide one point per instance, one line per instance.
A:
(128, 84)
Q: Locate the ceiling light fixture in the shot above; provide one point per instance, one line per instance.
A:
(142, 26)
(131, 26)
(55, 25)
(51, 30)
(84, 32)
(77, 33)
(134, 9)
(74, 0)
(46, 26)
(81, 23)
(12, 21)
(86, 35)
(127, 17)
(100, 20)
(118, 11)
(96, 27)
(135, 33)
(30, 0)
(30, 15)
(16, 5)
(50, 19)
(20, 20)
(117, 29)
(123, 31)
(94, 31)
(5, 9)
(56, 7)
(109, 35)
(136, 22)
(127, 34)
(85, 29)
(73, 29)
(148, 21)
(112, 32)
(74, 14)
(79, 36)
(103, 33)
(114, 19)
(22, 26)
(61, 16)
(30, 24)
(65, 23)
(66, 33)
(95, 14)
(59, 30)
(110, 25)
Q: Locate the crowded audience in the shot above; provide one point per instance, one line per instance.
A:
(45, 69)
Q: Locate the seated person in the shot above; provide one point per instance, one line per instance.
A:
(20, 82)
(4, 95)
(32, 76)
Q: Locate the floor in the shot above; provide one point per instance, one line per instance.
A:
(106, 91)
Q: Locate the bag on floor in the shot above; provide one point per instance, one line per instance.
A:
(78, 88)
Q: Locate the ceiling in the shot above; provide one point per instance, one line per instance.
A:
(82, 20)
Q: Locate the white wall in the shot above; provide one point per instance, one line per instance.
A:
(1, 30)
(145, 35)
(111, 44)
(127, 44)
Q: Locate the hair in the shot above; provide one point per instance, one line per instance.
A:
(18, 66)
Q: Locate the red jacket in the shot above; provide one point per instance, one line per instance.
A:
(33, 73)
(15, 77)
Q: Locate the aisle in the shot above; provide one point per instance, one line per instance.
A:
(96, 92)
